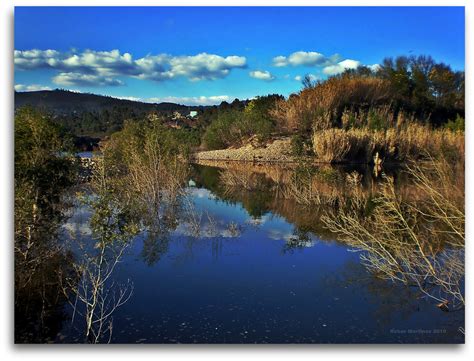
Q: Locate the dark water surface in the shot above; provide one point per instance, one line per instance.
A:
(262, 272)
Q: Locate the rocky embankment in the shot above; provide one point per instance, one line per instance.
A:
(277, 151)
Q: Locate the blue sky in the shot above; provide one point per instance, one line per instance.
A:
(206, 55)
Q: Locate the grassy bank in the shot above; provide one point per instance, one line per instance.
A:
(395, 145)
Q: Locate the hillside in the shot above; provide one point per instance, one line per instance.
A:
(86, 114)
(63, 101)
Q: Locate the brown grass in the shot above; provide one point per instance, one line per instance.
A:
(320, 107)
(412, 141)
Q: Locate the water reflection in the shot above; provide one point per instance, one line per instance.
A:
(409, 229)
(40, 209)
(238, 258)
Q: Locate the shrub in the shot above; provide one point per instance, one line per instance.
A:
(300, 145)
(222, 132)
(232, 127)
(456, 124)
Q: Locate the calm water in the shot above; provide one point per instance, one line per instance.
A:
(260, 271)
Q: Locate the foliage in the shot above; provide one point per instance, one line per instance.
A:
(222, 132)
(321, 107)
(41, 173)
(456, 125)
(147, 164)
(42, 177)
(300, 145)
(233, 127)
(424, 87)
(413, 85)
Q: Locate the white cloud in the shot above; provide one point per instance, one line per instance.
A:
(374, 67)
(33, 59)
(133, 99)
(341, 66)
(280, 61)
(262, 75)
(30, 88)
(105, 63)
(78, 79)
(201, 100)
(331, 65)
(205, 66)
(105, 66)
(305, 58)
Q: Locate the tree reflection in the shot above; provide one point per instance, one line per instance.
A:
(393, 302)
(419, 240)
(409, 226)
(42, 180)
(89, 287)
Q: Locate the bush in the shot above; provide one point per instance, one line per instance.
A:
(232, 127)
(223, 131)
(300, 145)
(456, 125)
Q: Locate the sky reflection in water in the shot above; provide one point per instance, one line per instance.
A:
(253, 280)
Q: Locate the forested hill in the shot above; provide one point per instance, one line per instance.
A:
(94, 115)
(64, 101)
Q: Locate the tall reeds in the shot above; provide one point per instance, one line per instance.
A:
(413, 141)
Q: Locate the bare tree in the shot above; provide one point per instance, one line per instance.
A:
(90, 289)
(417, 241)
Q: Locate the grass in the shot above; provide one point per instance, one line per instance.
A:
(320, 107)
(413, 141)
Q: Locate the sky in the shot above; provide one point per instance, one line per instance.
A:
(204, 55)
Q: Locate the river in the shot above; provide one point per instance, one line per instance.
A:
(260, 269)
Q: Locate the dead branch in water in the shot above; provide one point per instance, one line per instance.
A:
(419, 241)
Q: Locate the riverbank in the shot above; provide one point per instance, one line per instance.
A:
(276, 151)
(346, 146)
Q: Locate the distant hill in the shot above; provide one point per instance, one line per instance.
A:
(67, 101)
(86, 114)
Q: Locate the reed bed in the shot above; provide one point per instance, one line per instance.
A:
(413, 141)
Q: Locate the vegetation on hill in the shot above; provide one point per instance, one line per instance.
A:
(409, 107)
(233, 126)
(84, 114)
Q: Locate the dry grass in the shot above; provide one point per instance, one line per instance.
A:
(413, 141)
(321, 106)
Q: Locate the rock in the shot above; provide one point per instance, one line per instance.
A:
(278, 150)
